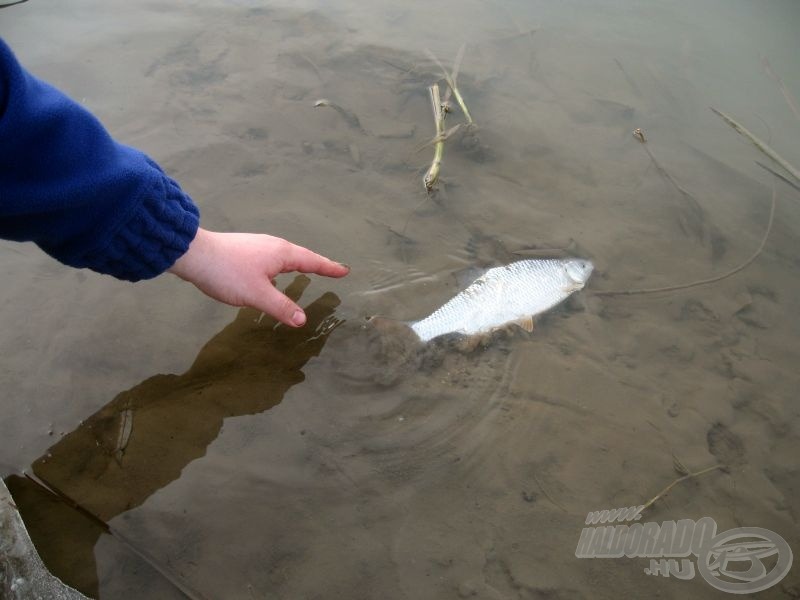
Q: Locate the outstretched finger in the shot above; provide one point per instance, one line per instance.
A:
(280, 306)
(304, 260)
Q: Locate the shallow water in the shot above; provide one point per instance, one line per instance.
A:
(235, 459)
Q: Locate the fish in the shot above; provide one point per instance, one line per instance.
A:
(514, 293)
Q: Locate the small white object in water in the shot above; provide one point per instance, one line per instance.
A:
(511, 294)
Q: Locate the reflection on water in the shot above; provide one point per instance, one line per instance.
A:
(145, 437)
(389, 470)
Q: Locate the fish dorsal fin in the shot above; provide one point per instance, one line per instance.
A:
(465, 277)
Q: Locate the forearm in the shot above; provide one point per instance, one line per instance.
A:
(198, 258)
(91, 202)
(88, 201)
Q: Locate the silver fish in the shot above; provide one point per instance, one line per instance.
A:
(511, 294)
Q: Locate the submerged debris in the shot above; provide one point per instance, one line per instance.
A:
(685, 474)
(691, 216)
(787, 95)
(349, 116)
(450, 78)
(432, 175)
(758, 143)
(441, 107)
(686, 286)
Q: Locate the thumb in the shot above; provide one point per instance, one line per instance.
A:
(278, 305)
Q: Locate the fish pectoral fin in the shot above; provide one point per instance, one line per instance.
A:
(526, 323)
(572, 287)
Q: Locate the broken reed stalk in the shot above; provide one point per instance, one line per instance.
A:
(677, 481)
(432, 176)
(673, 288)
(439, 138)
(462, 104)
(450, 78)
(451, 81)
(758, 143)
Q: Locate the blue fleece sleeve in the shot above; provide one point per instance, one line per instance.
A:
(85, 199)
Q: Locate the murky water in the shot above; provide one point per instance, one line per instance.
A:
(223, 457)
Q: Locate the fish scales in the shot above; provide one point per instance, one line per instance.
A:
(505, 295)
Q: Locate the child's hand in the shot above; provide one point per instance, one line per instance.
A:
(238, 269)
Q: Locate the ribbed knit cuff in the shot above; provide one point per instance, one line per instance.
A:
(153, 238)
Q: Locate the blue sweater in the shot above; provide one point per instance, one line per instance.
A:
(83, 198)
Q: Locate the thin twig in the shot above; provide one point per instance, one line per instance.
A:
(313, 66)
(697, 209)
(672, 288)
(545, 492)
(677, 481)
(630, 81)
(783, 178)
(666, 175)
(759, 144)
(787, 95)
(439, 138)
(348, 115)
